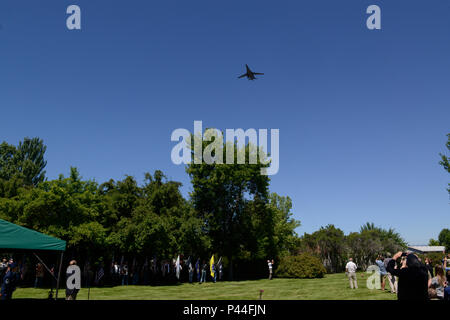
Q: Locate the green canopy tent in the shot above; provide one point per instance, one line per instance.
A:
(15, 237)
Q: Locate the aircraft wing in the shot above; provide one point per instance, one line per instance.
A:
(258, 73)
(244, 75)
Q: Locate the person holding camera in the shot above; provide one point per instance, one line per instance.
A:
(391, 279)
(412, 277)
(382, 270)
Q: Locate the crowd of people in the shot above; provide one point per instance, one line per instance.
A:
(409, 277)
(10, 277)
(164, 271)
(150, 272)
(406, 274)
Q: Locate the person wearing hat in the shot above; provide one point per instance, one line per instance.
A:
(10, 281)
(71, 293)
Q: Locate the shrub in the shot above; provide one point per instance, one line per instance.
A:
(303, 265)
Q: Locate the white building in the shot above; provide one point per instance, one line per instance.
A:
(426, 249)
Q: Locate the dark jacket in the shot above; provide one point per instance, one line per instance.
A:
(10, 282)
(430, 269)
(412, 281)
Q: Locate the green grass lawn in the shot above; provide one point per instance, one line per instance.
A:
(332, 287)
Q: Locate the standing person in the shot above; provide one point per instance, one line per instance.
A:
(116, 273)
(220, 269)
(99, 275)
(447, 267)
(54, 274)
(429, 266)
(382, 271)
(270, 265)
(163, 268)
(124, 272)
(392, 281)
(23, 270)
(213, 267)
(4, 263)
(197, 269)
(3, 268)
(71, 294)
(438, 283)
(204, 268)
(9, 282)
(447, 273)
(191, 271)
(39, 275)
(154, 270)
(412, 277)
(145, 272)
(135, 275)
(350, 269)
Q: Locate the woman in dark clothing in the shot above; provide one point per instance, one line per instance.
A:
(412, 277)
(429, 265)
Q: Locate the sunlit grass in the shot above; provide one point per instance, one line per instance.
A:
(332, 287)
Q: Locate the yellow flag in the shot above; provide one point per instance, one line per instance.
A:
(211, 263)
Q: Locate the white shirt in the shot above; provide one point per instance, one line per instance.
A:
(351, 266)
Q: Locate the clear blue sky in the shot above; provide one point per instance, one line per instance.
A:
(362, 114)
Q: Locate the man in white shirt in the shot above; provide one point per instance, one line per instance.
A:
(350, 269)
(270, 265)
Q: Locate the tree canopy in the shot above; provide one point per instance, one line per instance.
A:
(230, 211)
(445, 160)
(334, 247)
(24, 162)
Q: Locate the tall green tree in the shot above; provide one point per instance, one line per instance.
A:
(445, 161)
(363, 247)
(444, 238)
(24, 163)
(8, 159)
(152, 220)
(285, 237)
(433, 242)
(30, 160)
(329, 244)
(221, 196)
(332, 246)
(391, 241)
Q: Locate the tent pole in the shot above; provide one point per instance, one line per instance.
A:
(59, 275)
(45, 266)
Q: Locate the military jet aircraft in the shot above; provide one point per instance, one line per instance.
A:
(250, 74)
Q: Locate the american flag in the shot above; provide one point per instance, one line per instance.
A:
(100, 274)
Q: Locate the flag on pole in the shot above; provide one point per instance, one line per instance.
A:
(188, 261)
(197, 267)
(211, 263)
(100, 274)
(177, 266)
